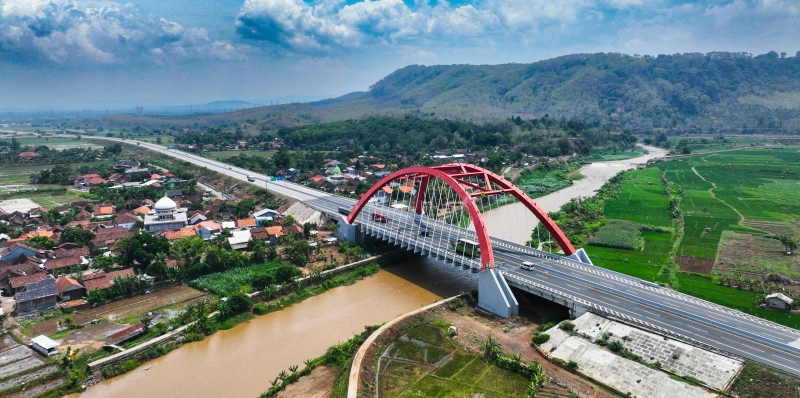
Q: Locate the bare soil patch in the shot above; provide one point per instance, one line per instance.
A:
(318, 384)
(695, 264)
(754, 256)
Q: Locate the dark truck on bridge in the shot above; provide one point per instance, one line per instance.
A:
(345, 210)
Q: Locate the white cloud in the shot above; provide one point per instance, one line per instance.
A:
(70, 32)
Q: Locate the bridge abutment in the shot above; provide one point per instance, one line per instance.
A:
(495, 296)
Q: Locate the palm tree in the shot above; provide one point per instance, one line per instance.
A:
(293, 369)
(491, 348)
(283, 375)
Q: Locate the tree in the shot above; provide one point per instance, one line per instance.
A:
(286, 273)
(103, 262)
(259, 254)
(78, 236)
(40, 242)
(288, 221)
(158, 267)
(307, 230)
(188, 250)
(790, 241)
(244, 207)
(140, 249)
(282, 159)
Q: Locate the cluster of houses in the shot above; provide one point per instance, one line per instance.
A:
(127, 174)
(38, 278)
(234, 146)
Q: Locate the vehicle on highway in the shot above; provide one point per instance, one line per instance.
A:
(424, 230)
(527, 265)
(467, 247)
(379, 217)
(229, 167)
(345, 210)
(251, 179)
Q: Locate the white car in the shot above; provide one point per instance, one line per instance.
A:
(527, 265)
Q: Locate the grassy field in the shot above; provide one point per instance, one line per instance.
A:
(55, 142)
(729, 201)
(428, 365)
(222, 155)
(22, 174)
(605, 154)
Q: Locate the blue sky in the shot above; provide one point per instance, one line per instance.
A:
(107, 54)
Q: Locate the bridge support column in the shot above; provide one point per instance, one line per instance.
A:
(494, 294)
(346, 232)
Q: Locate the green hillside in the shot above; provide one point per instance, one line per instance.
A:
(713, 93)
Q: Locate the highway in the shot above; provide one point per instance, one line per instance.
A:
(605, 291)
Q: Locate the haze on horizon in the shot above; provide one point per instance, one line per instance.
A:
(96, 53)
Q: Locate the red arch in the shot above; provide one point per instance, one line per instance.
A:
(487, 257)
(450, 174)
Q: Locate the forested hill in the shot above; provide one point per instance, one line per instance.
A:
(723, 90)
(713, 93)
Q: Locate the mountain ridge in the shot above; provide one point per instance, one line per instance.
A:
(712, 92)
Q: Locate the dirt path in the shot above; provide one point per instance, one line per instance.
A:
(711, 191)
(318, 384)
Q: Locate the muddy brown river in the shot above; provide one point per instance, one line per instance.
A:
(240, 362)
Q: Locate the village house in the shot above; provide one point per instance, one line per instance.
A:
(127, 220)
(101, 280)
(206, 229)
(239, 239)
(28, 155)
(126, 164)
(86, 181)
(69, 289)
(37, 296)
(17, 283)
(246, 223)
(64, 263)
(779, 301)
(16, 249)
(105, 238)
(175, 235)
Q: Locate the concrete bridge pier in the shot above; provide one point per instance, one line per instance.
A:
(494, 294)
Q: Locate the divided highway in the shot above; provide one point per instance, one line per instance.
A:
(626, 297)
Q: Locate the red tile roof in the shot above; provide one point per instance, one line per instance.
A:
(20, 281)
(28, 155)
(174, 235)
(247, 222)
(101, 280)
(64, 283)
(62, 262)
(276, 230)
(126, 218)
(105, 210)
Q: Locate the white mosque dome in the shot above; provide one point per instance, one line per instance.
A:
(165, 203)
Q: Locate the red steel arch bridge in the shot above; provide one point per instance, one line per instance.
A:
(570, 280)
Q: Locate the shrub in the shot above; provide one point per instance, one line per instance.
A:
(130, 365)
(239, 302)
(572, 365)
(260, 309)
(567, 326)
(615, 346)
(540, 338)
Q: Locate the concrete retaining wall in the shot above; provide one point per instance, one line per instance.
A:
(355, 368)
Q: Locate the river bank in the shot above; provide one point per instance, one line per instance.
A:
(594, 176)
(243, 360)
